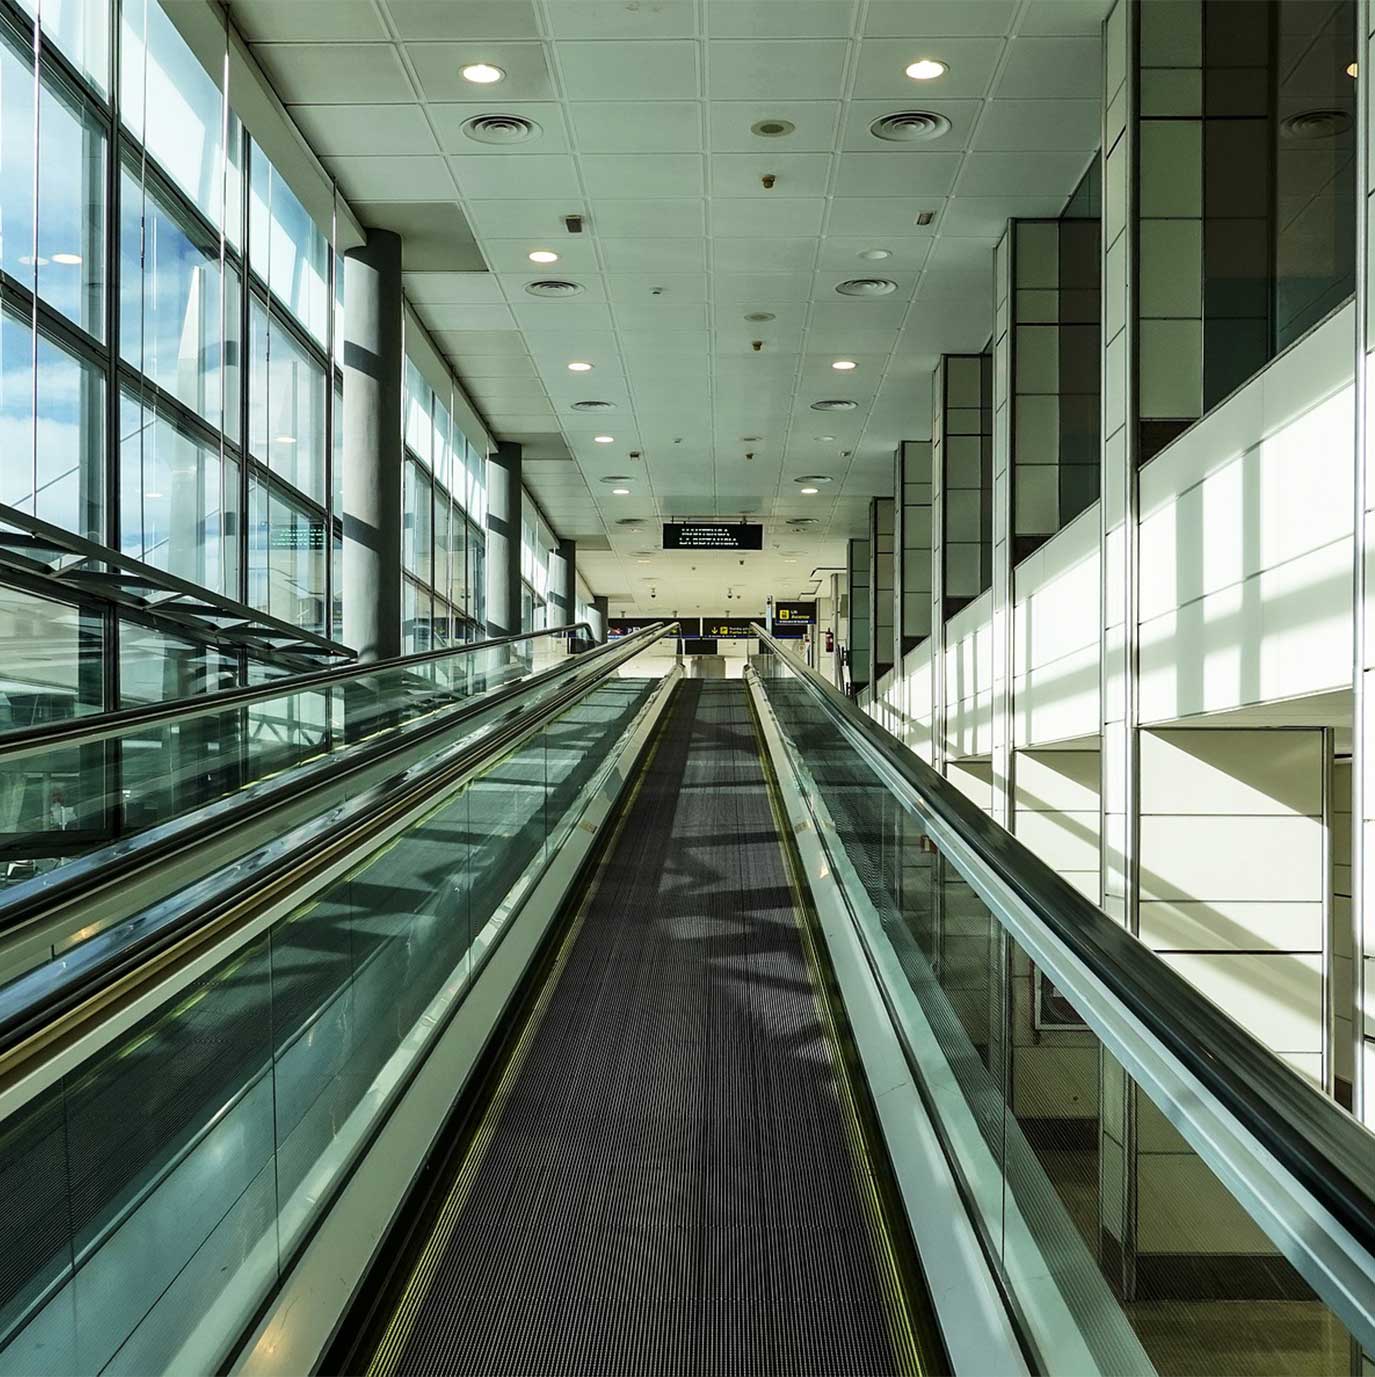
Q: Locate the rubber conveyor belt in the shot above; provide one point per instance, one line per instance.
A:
(667, 1178)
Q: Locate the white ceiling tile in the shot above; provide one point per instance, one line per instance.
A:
(800, 69)
(463, 19)
(660, 126)
(797, 174)
(555, 348)
(766, 288)
(654, 255)
(338, 130)
(855, 325)
(1042, 125)
(734, 340)
(335, 73)
(913, 172)
(732, 122)
(677, 219)
(1019, 174)
(451, 289)
(629, 71)
(562, 315)
(498, 366)
(321, 21)
(987, 216)
(1045, 67)
(867, 215)
(653, 315)
(617, 19)
(439, 66)
(537, 176)
(769, 19)
(468, 317)
(507, 343)
(577, 253)
(906, 254)
(666, 345)
(881, 73)
(509, 394)
(450, 117)
(764, 256)
(619, 175)
(536, 418)
(1067, 17)
(927, 19)
(670, 288)
(783, 217)
(962, 255)
(392, 179)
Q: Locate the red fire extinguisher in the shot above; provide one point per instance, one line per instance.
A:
(830, 642)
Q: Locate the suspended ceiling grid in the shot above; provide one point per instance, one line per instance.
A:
(644, 111)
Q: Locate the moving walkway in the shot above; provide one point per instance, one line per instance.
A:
(589, 1022)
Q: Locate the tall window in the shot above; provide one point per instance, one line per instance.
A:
(191, 419)
(444, 514)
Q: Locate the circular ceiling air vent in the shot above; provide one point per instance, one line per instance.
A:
(594, 406)
(835, 405)
(772, 129)
(758, 317)
(867, 287)
(802, 521)
(619, 478)
(1313, 125)
(501, 129)
(554, 289)
(909, 126)
(810, 478)
(631, 521)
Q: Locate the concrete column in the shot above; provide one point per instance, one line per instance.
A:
(503, 540)
(601, 613)
(373, 363)
(565, 591)
(1003, 556)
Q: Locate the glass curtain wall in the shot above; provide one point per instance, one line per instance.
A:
(444, 505)
(538, 547)
(169, 379)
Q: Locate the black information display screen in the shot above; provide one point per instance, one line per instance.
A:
(712, 535)
(793, 620)
(698, 646)
(728, 628)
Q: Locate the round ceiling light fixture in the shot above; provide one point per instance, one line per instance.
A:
(1353, 69)
(68, 260)
(825, 439)
(874, 255)
(844, 365)
(620, 492)
(604, 439)
(594, 406)
(772, 129)
(835, 404)
(910, 126)
(483, 73)
(809, 492)
(926, 69)
(554, 289)
(543, 256)
(867, 287)
(579, 367)
(501, 130)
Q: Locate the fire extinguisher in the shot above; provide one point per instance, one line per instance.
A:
(830, 642)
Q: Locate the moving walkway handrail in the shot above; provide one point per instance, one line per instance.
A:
(1315, 1141)
(80, 731)
(79, 977)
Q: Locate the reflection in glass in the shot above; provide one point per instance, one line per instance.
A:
(286, 406)
(286, 557)
(287, 249)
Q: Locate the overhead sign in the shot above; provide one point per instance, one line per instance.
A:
(794, 613)
(712, 535)
(728, 628)
(627, 626)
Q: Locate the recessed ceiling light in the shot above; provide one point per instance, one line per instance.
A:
(621, 492)
(605, 439)
(845, 365)
(544, 256)
(27, 260)
(67, 259)
(641, 561)
(579, 367)
(772, 129)
(485, 74)
(874, 255)
(810, 492)
(1353, 68)
(926, 69)
(825, 439)
(283, 439)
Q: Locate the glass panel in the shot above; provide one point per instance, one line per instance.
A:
(176, 499)
(80, 29)
(287, 249)
(173, 104)
(1120, 1248)
(286, 557)
(175, 305)
(286, 406)
(71, 207)
(419, 430)
(16, 161)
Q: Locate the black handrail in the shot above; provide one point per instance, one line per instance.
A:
(74, 731)
(32, 1000)
(1322, 1146)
